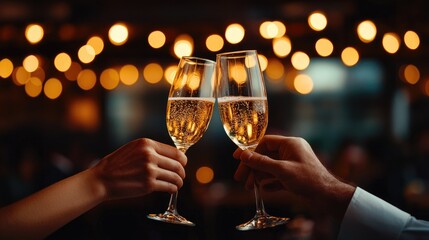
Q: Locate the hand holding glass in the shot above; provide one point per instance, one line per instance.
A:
(243, 109)
(189, 110)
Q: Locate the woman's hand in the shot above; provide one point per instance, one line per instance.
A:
(139, 168)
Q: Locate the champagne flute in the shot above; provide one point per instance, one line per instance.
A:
(189, 110)
(243, 108)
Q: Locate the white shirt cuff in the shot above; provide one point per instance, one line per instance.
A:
(369, 217)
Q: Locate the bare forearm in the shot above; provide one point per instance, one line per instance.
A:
(44, 212)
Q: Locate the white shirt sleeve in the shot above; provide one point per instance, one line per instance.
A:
(369, 217)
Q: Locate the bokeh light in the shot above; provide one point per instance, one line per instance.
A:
(20, 76)
(169, 73)
(62, 62)
(129, 74)
(300, 60)
(324, 47)
(411, 40)
(52, 88)
(86, 79)
(183, 45)
(156, 39)
(366, 31)
(391, 42)
(30, 63)
(204, 175)
(118, 34)
(303, 84)
(263, 62)
(411, 74)
(234, 33)
(282, 46)
(350, 56)
(109, 79)
(34, 33)
(214, 42)
(153, 73)
(86, 54)
(275, 69)
(96, 43)
(317, 21)
(6, 68)
(33, 87)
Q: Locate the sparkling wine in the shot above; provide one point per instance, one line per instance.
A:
(188, 119)
(244, 119)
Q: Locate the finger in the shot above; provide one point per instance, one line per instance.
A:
(169, 151)
(270, 143)
(169, 176)
(237, 153)
(261, 162)
(171, 165)
(241, 173)
(163, 186)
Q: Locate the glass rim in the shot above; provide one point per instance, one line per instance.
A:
(198, 60)
(243, 52)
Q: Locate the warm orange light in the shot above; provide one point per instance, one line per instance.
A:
(6, 68)
(183, 45)
(214, 42)
(153, 73)
(391, 42)
(97, 43)
(349, 56)
(30, 63)
(128, 74)
(109, 79)
(411, 40)
(169, 73)
(275, 69)
(86, 79)
(156, 39)
(366, 31)
(300, 60)
(411, 74)
(118, 34)
(20, 76)
(34, 33)
(33, 87)
(317, 21)
(86, 54)
(53, 88)
(204, 175)
(303, 84)
(234, 33)
(324, 47)
(282, 46)
(62, 62)
(263, 62)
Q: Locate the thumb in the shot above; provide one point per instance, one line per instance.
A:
(259, 162)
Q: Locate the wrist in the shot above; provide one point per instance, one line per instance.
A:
(337, 198)
(96, 184)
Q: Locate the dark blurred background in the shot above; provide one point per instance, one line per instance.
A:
(66, 101)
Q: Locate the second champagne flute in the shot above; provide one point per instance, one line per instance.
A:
(243, 108)
(189, 110)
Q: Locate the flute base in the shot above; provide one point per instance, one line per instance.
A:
(170, 217)
(261, 222)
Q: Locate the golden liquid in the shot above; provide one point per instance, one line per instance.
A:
(188, 119)
(244, 119)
